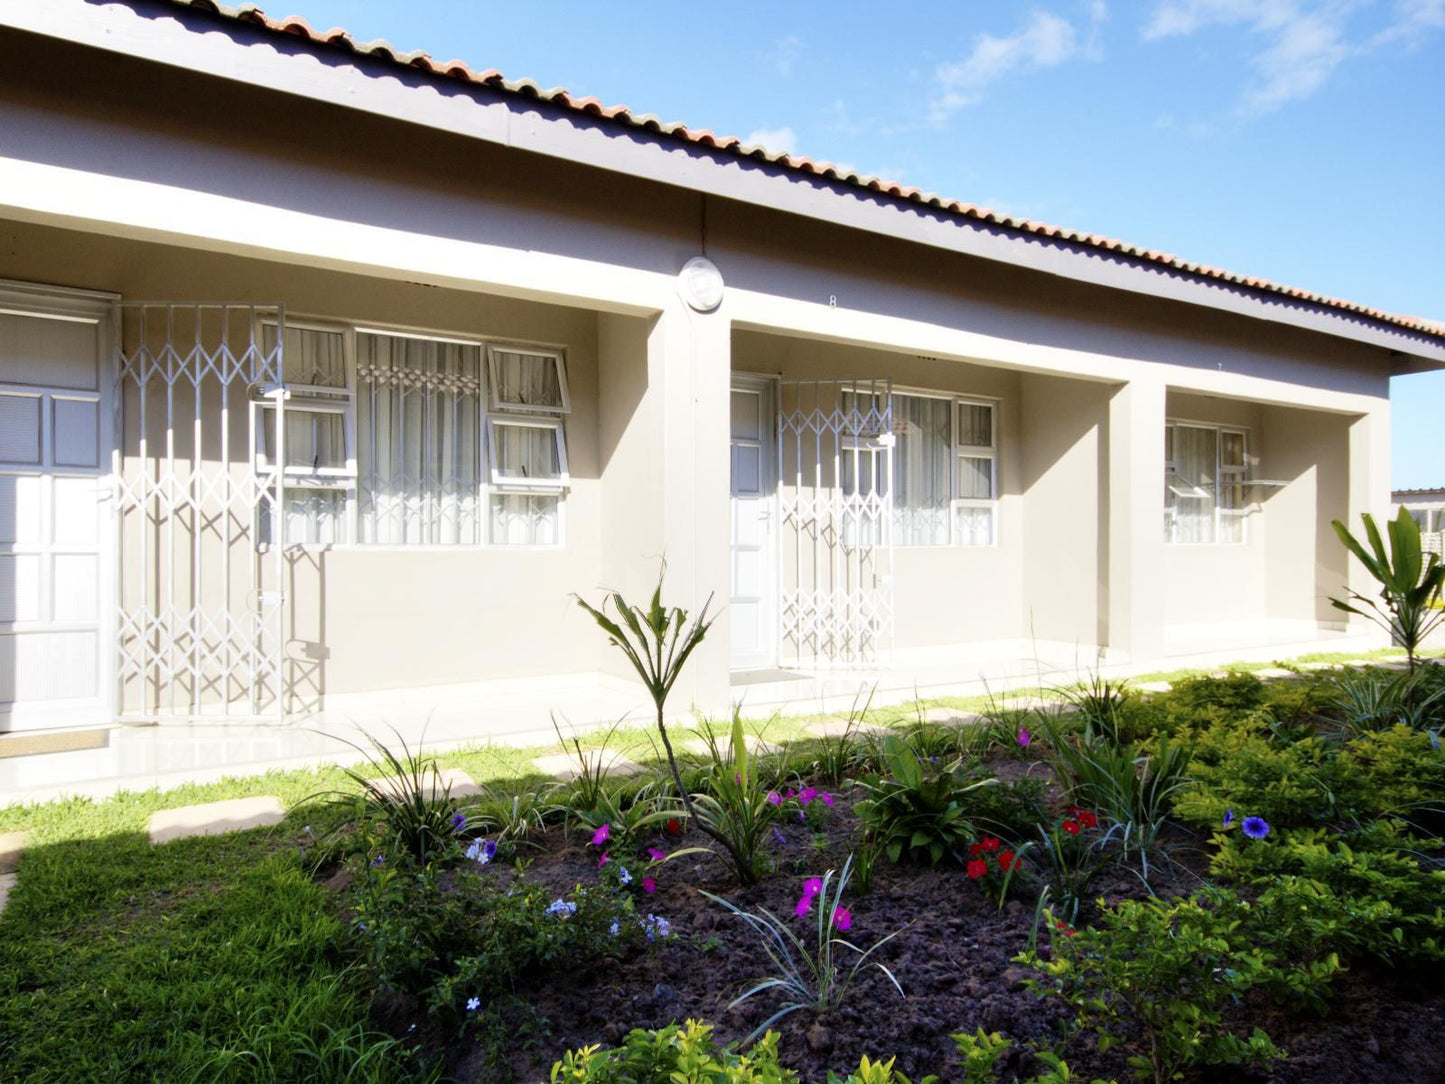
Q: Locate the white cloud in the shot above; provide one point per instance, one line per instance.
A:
(1046, 40)
(774, 139)
(1303, 42)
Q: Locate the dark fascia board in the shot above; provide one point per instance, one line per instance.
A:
(216, 46)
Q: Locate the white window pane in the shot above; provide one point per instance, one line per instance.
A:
(1189, 492)
(922, 463)
(419, 417)
(975, 425)
(309, 356)
(525, 519)
(528, 380)
(975, 477)
(1231, 449)
(315, 439)
(974, 526)
(526, 452)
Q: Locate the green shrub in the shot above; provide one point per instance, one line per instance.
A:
(688, 1054)
(735, 807)
(1237, 691)
(1159, 977)
(1375, 886)
(1246, 768)
(1403, 772)
(917, 812)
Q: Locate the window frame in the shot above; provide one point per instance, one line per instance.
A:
(1242, 472)
(344, 402)
(495, 404)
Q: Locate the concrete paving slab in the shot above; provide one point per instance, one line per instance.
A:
(215, 818)
(564, 766)
(952, 716)
(11, 844)
(462, 785)
(7, 882)
(1313, 667)
(1151, 686)
(1273, 673)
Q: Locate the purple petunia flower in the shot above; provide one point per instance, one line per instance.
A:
(812, 886)
(774, 798)
(778, 835)
(655, 854)
(459, 821)
(1024, 737)
(804, 905)
(843, 918)
(602, 835)
(827, 798)
(807, 794)
(1228, 817)
(1255, 827)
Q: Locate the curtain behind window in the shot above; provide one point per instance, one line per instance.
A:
(418, 406)
(922, 464)
(527, 379)
(1190, 494)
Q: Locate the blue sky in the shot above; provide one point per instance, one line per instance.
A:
(1299, 140)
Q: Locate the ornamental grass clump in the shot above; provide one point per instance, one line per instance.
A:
(809, 974)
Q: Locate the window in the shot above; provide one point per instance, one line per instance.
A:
(1206, 471)
(945, 470)
(386, 434)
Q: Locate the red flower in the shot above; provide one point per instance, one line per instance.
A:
(1072, 827)
(975, 849)
(977, 868)
(990, 843)
(674, 826)
(1068, 930)
(1087, 819)
(1007, 861)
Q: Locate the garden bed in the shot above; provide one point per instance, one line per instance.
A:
(957, 953)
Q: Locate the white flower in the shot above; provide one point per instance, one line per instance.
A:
(473, 1004)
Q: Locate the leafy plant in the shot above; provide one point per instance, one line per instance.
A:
(1371, 699)
(736, 808)
(509, 818)
(809, 976)
(914, 811)
(407, 797)
(1070, 854)
(657, 642)
(1159, 976)
(1408, 603)
(1131, 787)
(678, 1052)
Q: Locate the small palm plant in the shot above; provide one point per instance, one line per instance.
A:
(657, 642)
(1407, 607)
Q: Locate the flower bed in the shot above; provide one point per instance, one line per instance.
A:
(1229, 882)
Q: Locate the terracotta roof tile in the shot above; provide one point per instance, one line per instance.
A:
(339, 38)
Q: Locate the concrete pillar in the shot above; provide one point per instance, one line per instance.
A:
(665, 470)
(1135, 539)
(1369, 490)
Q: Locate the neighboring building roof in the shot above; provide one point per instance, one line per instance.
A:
(1400, 496)
(339, 39)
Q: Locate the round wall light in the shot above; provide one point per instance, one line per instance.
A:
(700, 283)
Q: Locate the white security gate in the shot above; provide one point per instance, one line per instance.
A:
(201, 430)
(835, 496)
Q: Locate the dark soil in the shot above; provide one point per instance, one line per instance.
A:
(953, 959)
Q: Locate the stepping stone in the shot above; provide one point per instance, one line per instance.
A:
(11, 844)
(836, 728)
(1312, 667)
(215, 818)
(1357, 662)
(1273, 673)
(564, 766)
(462, 785)
(952, 716)
(7, 882)
(1152, 686)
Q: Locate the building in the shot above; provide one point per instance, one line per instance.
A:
(331, 371)
(1428, 508)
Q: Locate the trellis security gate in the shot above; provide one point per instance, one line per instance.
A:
(200, 585)
(835, 497)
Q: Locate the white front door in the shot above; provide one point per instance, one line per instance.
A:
(54, 435)
(752, 606)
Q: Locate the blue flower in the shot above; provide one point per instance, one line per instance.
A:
(562, 907)
(615, 928)
(473, 1004)
(623, 877)
(1256, 827)
(778, 835)
(1228, 817)
(459, 821)
(482, 851)
(656, 927)
(379, 860)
